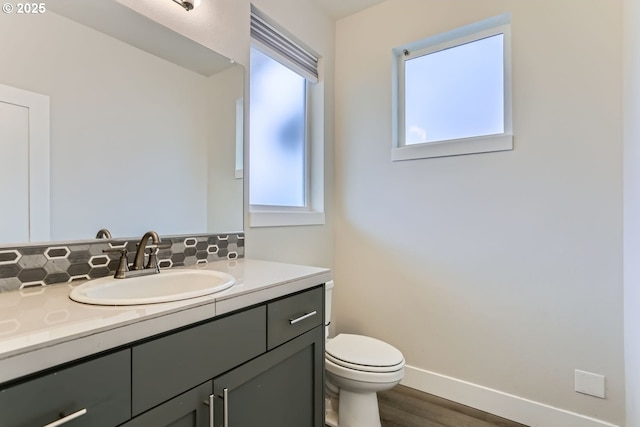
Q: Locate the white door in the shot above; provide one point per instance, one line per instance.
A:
(24, 166)
(14, 173)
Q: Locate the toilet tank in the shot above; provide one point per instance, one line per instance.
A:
(328, 293)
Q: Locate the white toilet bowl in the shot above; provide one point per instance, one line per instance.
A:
(360, 367)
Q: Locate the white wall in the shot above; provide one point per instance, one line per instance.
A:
(501, 270)
(632, 209)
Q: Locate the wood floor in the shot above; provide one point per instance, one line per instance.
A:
(406, 407)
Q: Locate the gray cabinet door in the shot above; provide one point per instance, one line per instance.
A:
(92, 393)
(282, 388)
(190, 409)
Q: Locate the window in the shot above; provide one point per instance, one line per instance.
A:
(278, 134)
(453, 93)
(283, 80)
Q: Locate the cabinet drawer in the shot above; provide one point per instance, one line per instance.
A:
(167, 366)
(292, 316)
(101, 386)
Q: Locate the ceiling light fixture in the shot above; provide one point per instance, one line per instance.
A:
(188, 4)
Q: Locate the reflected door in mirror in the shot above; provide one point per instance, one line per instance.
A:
(24, 127)
(14, 167)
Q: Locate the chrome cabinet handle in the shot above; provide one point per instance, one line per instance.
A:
(68, 418)
(301, 318)
(225, 407)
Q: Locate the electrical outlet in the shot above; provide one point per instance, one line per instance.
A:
(590, 383)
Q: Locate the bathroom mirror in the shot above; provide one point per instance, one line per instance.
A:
(145, 126)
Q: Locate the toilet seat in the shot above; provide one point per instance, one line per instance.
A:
(358, 378)
(363, 368)
(361, 353)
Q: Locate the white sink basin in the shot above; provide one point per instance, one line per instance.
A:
(166, 286)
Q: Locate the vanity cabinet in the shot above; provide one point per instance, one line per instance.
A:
(281, 388)
(94, 393)
(262, 365)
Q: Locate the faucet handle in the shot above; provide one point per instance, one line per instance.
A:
(123, 264)
(153, 259)
(164, 244)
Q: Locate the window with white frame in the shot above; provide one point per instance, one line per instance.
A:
(278, 133)
(282, 78)
(452, 92)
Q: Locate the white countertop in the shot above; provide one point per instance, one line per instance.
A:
(41, 327)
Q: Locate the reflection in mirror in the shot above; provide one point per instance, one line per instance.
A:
(137, 142)
(103, 233)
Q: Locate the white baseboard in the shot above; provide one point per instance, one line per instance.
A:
(525, 411)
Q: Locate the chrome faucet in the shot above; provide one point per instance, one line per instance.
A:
(138, 262)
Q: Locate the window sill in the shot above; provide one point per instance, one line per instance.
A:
(454, 147)
(285, 218)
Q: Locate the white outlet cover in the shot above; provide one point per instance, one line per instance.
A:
(590, 383)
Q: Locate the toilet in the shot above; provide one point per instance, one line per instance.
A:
(357, 367)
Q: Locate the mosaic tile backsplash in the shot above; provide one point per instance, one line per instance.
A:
(42, 265)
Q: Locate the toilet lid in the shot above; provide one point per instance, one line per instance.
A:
(363, 351)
